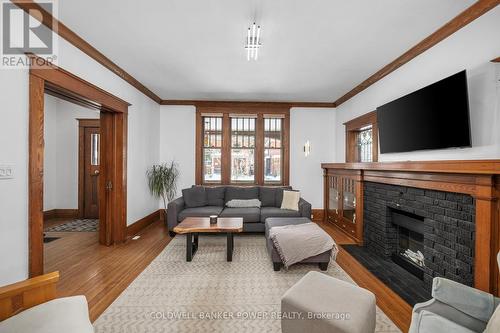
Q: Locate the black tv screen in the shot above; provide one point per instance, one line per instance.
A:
(433, 117)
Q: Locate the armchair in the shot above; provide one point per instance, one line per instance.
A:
(32, 306)
(455, 307)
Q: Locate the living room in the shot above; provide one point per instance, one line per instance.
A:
(265, 118)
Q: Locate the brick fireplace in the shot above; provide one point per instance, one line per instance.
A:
(439, 225)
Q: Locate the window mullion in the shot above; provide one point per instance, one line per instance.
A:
(226, 149)
(259, 150)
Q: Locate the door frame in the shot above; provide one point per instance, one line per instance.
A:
(82, 124)
(113, 154)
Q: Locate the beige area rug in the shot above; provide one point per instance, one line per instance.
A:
(210, 294)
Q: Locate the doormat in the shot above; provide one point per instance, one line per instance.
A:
(83, 225)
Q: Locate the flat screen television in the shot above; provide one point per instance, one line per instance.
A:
(434, 117)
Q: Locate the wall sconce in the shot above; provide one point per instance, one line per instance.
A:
(307, 148)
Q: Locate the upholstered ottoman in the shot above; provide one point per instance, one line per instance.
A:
(326, 304)
(322, 259)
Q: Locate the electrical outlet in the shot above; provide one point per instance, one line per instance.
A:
(6, 171)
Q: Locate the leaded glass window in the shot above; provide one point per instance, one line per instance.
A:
(365, 144)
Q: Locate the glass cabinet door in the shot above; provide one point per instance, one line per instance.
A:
(349, 200)
(333, 195)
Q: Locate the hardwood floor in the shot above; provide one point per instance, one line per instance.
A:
(391, 303)
(99, 272)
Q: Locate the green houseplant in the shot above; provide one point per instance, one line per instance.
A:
(162, 182)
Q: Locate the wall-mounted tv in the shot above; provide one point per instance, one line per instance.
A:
(434, 117)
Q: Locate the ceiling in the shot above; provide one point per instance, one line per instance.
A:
(312, 50)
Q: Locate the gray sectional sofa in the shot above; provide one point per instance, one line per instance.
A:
(203, 201)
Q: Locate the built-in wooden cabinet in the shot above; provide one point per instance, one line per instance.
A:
(343, 200)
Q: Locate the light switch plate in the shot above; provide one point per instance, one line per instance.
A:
(6, 171)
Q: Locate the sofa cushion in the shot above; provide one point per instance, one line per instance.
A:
(195, 196)
(427, 321)
(61, 315)
(279, 195)
(205, 211)
(268, 196)
(248, 214)
(215, 196)
(235, 192)
(266, 212)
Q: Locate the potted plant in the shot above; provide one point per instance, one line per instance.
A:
(162, 182)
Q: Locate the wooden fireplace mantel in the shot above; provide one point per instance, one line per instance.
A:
(478, 178)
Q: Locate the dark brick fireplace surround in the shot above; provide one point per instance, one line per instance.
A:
(449, 228)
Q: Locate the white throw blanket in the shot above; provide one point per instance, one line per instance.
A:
(297, 242)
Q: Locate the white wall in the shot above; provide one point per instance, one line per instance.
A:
(470, 48)
(13, 192)
(61, 152)
(177, 141)
(306, 175)
(177, 137)
(143, 151)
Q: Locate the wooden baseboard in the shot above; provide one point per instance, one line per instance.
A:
(60, 213)
(318, 215)
(137, 226)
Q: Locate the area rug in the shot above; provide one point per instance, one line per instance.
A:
(210, 294)
(83, 225)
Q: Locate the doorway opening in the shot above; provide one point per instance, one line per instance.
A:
(71, 180)
(101, 194)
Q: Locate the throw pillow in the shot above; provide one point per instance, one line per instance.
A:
(215, 196)
(238, 203)
(195, 197)
(279, 195)
(290, 200)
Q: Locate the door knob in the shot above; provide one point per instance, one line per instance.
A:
(96, 172)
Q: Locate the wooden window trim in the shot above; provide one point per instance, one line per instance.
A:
(260, 111)
(352, 128)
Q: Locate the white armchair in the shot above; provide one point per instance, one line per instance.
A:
(455, 307)
(31, 306)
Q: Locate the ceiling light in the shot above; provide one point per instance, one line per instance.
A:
(253, 42)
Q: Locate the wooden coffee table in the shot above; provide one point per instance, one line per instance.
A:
(192, 226)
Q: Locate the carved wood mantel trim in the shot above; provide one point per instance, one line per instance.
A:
(478, 178)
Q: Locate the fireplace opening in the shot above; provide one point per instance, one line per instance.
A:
(409, 249)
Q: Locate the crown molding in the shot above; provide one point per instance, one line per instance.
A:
(467, 16)
(200, 103)
(84, 46)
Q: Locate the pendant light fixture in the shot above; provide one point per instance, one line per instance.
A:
(253, 42)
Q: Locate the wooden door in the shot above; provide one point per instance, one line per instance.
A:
(91, 170)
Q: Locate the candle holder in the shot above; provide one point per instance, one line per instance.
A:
(213, 219)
